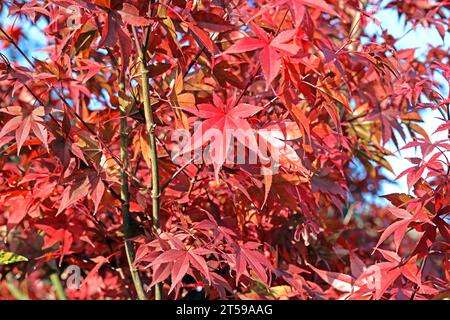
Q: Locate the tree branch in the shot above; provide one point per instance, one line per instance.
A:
(150, 126)
(125, 197)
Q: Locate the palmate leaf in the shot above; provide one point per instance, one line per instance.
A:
(247, 255)
(10, 257)
(272, 50)
(177, 263)
(225, 119)
(25, 121)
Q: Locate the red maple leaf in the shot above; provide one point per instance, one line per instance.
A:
(248, 255)
(272, 49)
(24, 121)
(221, 122)
(298, 6)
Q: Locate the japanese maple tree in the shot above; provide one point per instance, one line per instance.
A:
(233, 147)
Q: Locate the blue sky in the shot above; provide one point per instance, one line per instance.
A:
(34, 39)
(422, 39)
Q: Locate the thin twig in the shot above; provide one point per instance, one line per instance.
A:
(176, 174)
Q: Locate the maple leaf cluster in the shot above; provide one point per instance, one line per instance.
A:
(91, 176)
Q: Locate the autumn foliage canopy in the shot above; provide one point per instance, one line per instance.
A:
(93, 175)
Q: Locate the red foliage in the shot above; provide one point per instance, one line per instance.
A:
(298, 81)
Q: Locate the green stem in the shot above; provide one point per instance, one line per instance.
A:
(14, 290)
(150, 126)
(125, 197)
(56, 282)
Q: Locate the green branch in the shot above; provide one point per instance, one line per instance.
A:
(125, 196)
(57, 285)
